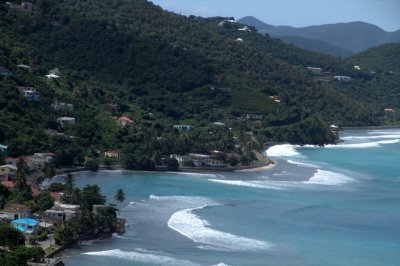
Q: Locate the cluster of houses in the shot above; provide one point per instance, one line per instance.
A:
(21, 217)
(33, 162)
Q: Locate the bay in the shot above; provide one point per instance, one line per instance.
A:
(334, 205)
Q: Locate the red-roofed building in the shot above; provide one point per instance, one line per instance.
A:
(8, 184)
(124, 121)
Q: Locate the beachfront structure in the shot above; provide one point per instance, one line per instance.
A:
(8, 170)
(12, 211)
(124, 121)
(342, 78)
(58, 215)
(4, 149)
(40, 158)
(183, 127)
(113, 154)
(66, 120)
(198, 160)
(26, 225)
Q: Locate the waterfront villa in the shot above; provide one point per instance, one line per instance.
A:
(197, 160)
(26, 225)
(113, 154)
(12, 211)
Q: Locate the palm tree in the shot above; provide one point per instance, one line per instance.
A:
(119, 195)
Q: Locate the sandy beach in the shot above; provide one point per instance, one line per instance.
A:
(260, 168)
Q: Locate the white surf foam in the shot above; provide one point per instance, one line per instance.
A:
(194, 174)
(303, 164)
(365, 144)
(191, 226)
(276, 185)
(322, 177)
(115, 235)
(142, 256)
(389, 136)
(283, 150)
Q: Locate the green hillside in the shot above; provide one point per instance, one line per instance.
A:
(131, 58)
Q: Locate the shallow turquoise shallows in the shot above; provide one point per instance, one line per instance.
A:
(337, 205)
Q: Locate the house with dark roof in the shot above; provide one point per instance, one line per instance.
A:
(12, 211)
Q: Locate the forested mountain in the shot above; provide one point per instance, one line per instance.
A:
(353, 36)
(131, 58)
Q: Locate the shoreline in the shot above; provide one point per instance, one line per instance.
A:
(370, 127)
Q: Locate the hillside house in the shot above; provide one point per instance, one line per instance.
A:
(4, 149)
(5, 72)
(8, 170)
(39, 159)
(12, 211)
(52, 76)
(183, 127)
(30, 94)
(24, 67)
(343, 79)
(23, 7)
(315, 70)
(26, 225)
(124, 121)
(66, 120)
(255, 117)
(60, 106)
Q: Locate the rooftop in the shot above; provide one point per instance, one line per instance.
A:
(15, 208)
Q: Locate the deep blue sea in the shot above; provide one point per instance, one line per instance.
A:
(334, 205)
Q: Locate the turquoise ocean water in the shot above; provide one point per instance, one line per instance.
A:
(337, 205)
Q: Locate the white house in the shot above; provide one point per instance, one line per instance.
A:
(66, 121)
(342, 78)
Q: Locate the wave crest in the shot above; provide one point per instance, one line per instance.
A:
(191, 226)
(282, 150)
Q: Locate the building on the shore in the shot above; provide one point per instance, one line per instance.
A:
(58, 215)
(41, 158)
(183, 127)
(197, 160)
(26, 225)
(124, 121)
(113, 154)
(66, 121)
(12, 211)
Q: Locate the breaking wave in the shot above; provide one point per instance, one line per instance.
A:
(191, 226)
(142, 256)
(365, 144)
(303, 164)
(322, 177)
(283, 150)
